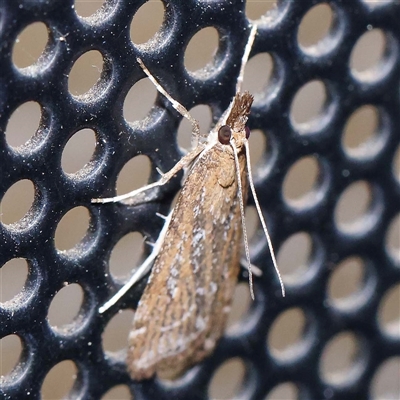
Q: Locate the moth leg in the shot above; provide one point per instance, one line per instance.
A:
(164, 217)
(245, 57)
(182, 163)
(142, 269)
(239, 81)
(178, 106)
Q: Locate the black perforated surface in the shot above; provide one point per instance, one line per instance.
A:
(39, 160)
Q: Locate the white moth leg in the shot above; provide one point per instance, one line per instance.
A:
(164, 217)
(239, 82)
(182, 163)
(125, 196)
(142, 269)
(178, 106)
(263, 224)
(245, 57)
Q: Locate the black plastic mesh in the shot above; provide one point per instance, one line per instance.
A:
(39, 160)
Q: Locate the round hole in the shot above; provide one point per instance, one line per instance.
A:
(87, 8)
(17, 202)
(314, 29)
(393, 239)
(59, 381)
(115, 336)
(259, 151)
(119, 392)
(13, 275)
(308, 105)
(361, 138)
(134, 174)
(294, 258)
(373, 4)
(65, 307)
(30, 45)
(396, 165)
(23, 123)
(386, 383)
(202, 114)
(352, 209)
(147, 21)
(201, 50)
(72, 228)
(11, 349)
(286, 391)
(258, 9)
(85, 73)
(346, 283)
(367, 57)
(252, 221)
(286, 336)
(227, 380)
(125, 255)
(340, 362)
(240, 306)
(258, 73)
(139, 100)
(300, 187)
(78, 151)
(389, 312)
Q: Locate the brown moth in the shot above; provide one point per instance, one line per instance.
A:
(183, 310)
(184, 307)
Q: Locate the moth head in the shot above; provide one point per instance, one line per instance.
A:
(225, 134)
(235, 126)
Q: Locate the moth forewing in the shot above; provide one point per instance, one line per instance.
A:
(183, 310)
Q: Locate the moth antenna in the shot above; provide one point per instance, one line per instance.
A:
(241, 204)
(263, 224)
(245, 57)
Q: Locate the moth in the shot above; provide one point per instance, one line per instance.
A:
(184, 308)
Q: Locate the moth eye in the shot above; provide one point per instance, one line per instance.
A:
(247, 129)
(224, 134)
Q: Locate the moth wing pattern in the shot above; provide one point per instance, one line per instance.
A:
(183, 310)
